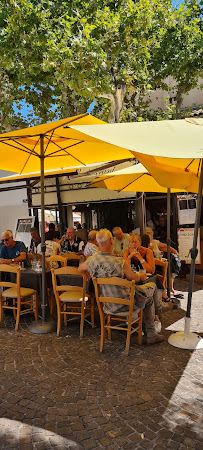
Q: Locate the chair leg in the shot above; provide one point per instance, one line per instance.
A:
(140, 328)
(65, 315)
(92, 310)
(128, 339)
(18, 314)
(14, 310)
(1, 309)
(35, 306)
(102, 339)
(109, 329)
(82, 319)
(59, 313)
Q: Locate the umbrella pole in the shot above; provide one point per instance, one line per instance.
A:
(168, 241)
(43, 327)
(186, 339)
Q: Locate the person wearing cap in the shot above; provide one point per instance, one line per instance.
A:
(12, 251)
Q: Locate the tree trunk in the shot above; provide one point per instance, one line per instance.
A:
(117, 100)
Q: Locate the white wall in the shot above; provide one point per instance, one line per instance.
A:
(11, 208)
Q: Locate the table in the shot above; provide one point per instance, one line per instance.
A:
(74, 280)
(29, 278)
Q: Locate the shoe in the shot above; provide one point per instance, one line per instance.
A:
(166, 299)
(178, 295)
(155, 339)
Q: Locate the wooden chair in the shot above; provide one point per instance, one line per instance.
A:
(73, 258)
(72, 300)
(49, 260)
(131, 316)
(163, 276)
(17, 294)
(56, 258)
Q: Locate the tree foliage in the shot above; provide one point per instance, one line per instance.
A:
(58, 56)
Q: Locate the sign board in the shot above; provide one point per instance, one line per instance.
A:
(185, 243)
(187, 205)
(22, 230)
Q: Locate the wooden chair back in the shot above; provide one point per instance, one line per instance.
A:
(164, 265)
(71, 299)
(11, 269)
(107, 318)
(57, 258)
(68, 270)
(19, 295)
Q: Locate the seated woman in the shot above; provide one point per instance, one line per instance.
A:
(157, 247)
(141, 257)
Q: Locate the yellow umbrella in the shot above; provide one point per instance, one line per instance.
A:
(131, 179)
(172, 151)
(21, 151)
(50, 146)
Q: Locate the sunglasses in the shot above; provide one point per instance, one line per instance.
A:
(3, 240)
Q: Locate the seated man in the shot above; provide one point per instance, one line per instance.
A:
(91, 247)
(121, 241)
(70, 242)
(105, 264)
(12, 251)
(36, 239)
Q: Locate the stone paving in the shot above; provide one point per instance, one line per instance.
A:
(61, 393)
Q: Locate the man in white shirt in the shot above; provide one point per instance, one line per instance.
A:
(121, 241)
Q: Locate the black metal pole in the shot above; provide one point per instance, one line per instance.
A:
(194, 250)
(61, 224)
(43, 246)
(168, 241)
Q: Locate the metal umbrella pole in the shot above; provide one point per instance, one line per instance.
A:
(43, 326)
(187, 339)
(168, 241)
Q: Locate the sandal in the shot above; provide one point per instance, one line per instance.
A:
(166, 299)
(178, 295)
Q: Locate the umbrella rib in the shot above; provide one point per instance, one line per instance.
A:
(49, 139)
(198, 167)
(64, 149)
(22, 148)
(67, 152)
(186, 168)
(25, 163)
(120, 190)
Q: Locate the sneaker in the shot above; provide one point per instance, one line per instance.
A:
(155, 339)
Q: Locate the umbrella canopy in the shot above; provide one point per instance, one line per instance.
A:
(63, 146)
(48, 147)
(131, 179)
(171, 150)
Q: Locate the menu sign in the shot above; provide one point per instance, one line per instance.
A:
(22, 230)
(187, 205)
(185, 243)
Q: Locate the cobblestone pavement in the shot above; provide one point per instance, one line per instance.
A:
(61, 393)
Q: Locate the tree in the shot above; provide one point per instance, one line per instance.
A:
(59, 56)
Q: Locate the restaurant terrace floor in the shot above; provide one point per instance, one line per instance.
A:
(61, 393)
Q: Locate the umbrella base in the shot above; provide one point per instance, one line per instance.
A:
(192, 341)
(40, 327)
